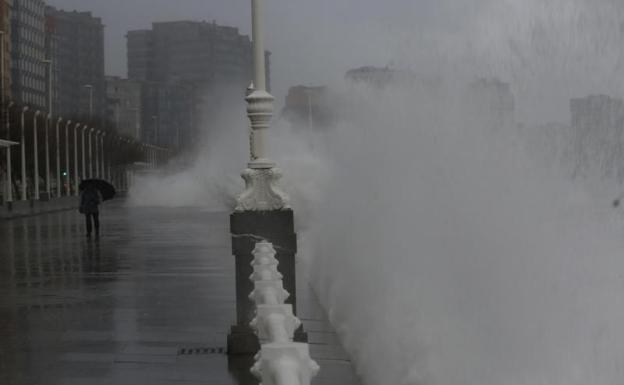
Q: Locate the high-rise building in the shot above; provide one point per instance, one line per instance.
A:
(124, 105)
(180, 63)
(77, 53)
(28, 71)
(187, 51)
(5, 28)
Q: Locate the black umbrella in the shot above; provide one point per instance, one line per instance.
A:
(106, 189)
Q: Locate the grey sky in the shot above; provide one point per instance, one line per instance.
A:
(298, 32)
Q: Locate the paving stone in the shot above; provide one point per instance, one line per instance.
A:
(118, 310)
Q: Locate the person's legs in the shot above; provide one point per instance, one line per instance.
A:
(96, 221)
(89, 227)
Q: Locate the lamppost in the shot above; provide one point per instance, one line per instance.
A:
(76, 167)
(102, 159)
(23, 154)
(59, 190)
(36, 155)
(90, 88)
(47, 154)
(96, 145)
(262, 210)
(84, 153)
(67, 171)
(91, 153)
(8, 161)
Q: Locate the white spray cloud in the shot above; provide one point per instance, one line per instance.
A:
(445, 252)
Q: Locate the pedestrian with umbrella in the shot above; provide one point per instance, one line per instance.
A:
(92, 193)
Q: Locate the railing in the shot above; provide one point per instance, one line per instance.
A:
(53, 154)
(280, 360)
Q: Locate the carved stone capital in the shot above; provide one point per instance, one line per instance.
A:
(261, 191)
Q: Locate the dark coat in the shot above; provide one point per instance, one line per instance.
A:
(89, 201)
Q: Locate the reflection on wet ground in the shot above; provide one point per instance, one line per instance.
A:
(129, 307)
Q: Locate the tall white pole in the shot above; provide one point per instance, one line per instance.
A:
(102, 159)
(59, 183)
(84, 153)
(36, 155)
(96, 145)
(90, 153)
(9, 160)
(23, 154)
(258, 46)
(68, 181)
(76, 166)
(261, 176)
(47, 153)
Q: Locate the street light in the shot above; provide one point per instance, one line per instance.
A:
(9, 165)
(96, 173)
(91, 153)
(23, 153)
(68, 185)
(261, 175)
(59, 191)
(47, 154)
(84, 153)
(90, 88)
(36, 155)
(76, 167)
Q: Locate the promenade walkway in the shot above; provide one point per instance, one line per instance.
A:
(150, 302)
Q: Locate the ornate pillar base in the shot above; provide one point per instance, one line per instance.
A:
(247, 228)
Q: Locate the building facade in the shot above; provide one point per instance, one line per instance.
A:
(76, 48)
(124, 105)
(180, 64)
(187, 51)
(5, 51)
(28, 71)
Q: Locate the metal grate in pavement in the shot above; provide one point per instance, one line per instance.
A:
(200, 351)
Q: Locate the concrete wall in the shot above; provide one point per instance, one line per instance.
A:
(27, 208)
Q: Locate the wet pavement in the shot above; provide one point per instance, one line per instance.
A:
(149, 302)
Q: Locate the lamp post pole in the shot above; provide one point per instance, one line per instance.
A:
(68, 181)
(36, 155)
(47, 154)
(84, 153)
(102, 159)
(76, 166)
(91, 153)
(9, 165)
(262, 210)
(59, 190)
(96, 145)
(23, 154)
